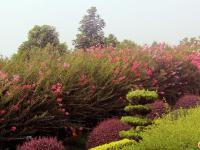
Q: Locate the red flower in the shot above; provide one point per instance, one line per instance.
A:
(94, 88)
(154, 82)
(56, 88)
(125, 60)
(16, 78)
(135, 66)
(59, 100)
(83, 79)
(149, 72)
(13, 128)
(15, 107)
(2, 112)
(121, 78)
(27, 87)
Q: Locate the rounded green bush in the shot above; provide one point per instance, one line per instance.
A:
(135, 121)
(141, 96)
(138, 109)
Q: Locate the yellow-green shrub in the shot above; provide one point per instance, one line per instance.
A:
(178, 130)
(114, 145)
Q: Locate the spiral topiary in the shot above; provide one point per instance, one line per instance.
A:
(187, 101)
(107, 131)
(138, 110)
(42, 143)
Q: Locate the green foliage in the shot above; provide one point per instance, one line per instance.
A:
(141, 96)
(138, 112)
(138, 109)
(114, 145)
(40, 37)
(180, 132)
(111, 40)
(91, 33)
(136, 121)
(131, 134)
(127, 44)
(191, 44)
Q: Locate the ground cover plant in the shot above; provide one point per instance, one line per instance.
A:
(178, 130)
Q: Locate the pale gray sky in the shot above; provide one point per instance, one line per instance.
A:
(142, 21)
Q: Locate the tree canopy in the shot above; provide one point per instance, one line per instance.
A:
(91, 30)
(39, 37)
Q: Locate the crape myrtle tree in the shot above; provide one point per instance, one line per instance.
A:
(91, 30)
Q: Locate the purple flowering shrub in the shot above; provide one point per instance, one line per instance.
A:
(107, 131)
(42, 143)
(187, 101)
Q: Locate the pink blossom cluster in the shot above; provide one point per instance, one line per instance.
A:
(57, 88)
(195, 59)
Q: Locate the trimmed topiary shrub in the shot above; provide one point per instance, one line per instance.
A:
(138, 111)
(188, 101)
(107, 131)
(115, 145)
(158, 109)
(42, 143)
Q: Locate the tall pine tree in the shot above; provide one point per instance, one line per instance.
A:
(91, 30)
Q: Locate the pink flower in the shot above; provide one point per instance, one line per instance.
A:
(67, 113)
(56, 88)
(3, 75)
(27, 87)
(83, 79)
(121, 78)
(2, 112)
(149, 72)
(59, 100)
(65, 65)
(16, 78)
(62, 110)
(15, 107)
(195, 60)
(94, 88)
(13, 128)
(125, 60)
(154, 82)
(135, 66)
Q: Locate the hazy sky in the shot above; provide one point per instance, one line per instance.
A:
(143, 21)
